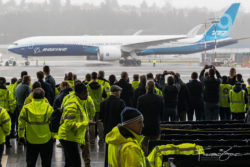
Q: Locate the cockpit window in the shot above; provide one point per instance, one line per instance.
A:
(15, 43)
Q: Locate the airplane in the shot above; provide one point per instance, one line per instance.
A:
(127, 48)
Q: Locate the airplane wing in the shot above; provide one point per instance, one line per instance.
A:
(138, 32)
(143, 45)
(244, 38)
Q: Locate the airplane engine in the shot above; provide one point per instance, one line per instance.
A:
(109, 53)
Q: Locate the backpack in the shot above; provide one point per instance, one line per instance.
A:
(55, 120)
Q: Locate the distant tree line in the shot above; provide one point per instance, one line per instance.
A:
(55, 18)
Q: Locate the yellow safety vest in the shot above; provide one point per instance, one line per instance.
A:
(96, 95)
(71, 83)
(248, 96)
(90, 107)
(158, 91)
(74, 121)
(224, 95)
(155, 157)
(11, 87)
(5, 125)
(124, 152)
(105, 85)
(237, 101)
(135, 84)
(30, 97)
(34, 119)
(57, 91)
(7, 100)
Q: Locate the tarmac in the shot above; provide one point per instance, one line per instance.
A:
(79, 66)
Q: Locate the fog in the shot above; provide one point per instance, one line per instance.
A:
(55, 18)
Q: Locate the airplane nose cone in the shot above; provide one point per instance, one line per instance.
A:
(13, 49)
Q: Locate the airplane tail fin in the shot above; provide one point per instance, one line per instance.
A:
(224, 25)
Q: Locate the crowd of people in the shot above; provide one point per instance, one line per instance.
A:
(119, 112)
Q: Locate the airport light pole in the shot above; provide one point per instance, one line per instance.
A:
(205, 43)
(215, 21)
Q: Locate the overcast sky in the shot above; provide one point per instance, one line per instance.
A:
(213, 5)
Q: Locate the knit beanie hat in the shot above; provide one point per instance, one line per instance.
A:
(130, 115)
(2, 80)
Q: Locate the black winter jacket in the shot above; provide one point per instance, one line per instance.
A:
(170, 94)
(110, 110)
(127, 92)
(151, 106)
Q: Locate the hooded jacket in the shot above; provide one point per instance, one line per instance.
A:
(97, 93)
(237, 89)
(7, 100)
(124, 148)
(34, 120)
(74, 121)
(5, 124)
(59, 99)
(105, 85)
(127, 92)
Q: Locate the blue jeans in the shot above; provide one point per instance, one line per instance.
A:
(169, 112)
(211, 111)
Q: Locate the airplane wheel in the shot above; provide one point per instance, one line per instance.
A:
(27, 63)
(121, 62)
(138, 62)
(7, 63)
(14, 63)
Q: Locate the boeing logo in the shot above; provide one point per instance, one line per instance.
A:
(220, 33)
(37, 50)
(225, 22)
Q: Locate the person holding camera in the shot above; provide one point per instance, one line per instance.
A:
(211, 92)
(170, 94)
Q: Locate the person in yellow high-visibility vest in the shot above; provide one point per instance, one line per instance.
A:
(12, 84)
(8, 102)
(225, 113)
(33, 126)
(97, 93)
(5, 127)
(135, 83)
(103, 82)
(87, 79)
(248, 93)
(238, 101)
(124, 141)
(154, 62)
(74, 124)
